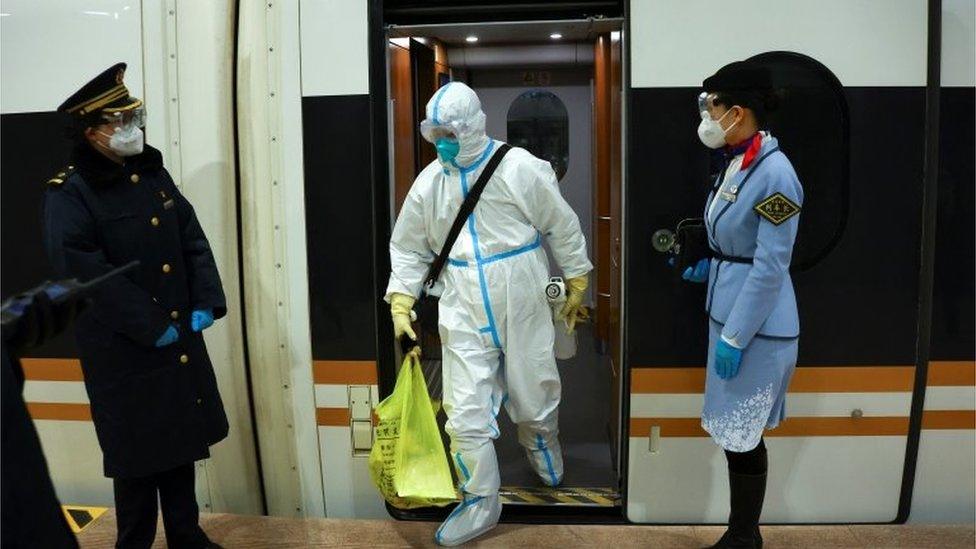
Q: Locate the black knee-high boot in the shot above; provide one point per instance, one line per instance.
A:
(747, 487)
(746, 502)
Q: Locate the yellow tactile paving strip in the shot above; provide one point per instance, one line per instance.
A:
(567, 496)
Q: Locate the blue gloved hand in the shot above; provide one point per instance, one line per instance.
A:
(699, 273)
(170, 336)
(727, 360)
(201, 320)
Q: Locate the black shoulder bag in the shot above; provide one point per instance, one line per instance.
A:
(427, 304)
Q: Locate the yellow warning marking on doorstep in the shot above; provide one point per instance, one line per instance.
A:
(568, 496)
(80, 517)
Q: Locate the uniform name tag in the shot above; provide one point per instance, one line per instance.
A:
(728, 196)
(168, 204)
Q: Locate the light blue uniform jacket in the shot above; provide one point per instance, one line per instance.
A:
(757, 299)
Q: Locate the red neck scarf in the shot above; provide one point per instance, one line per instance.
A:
(748, 148)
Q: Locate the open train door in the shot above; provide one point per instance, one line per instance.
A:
(552, 86)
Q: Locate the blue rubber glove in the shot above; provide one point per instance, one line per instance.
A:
(170, 336)
(699, 273)
(202, 319)
(727, 360)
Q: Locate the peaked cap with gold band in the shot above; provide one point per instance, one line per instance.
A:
(104, 93)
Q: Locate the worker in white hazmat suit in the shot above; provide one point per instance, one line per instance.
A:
(495, 323)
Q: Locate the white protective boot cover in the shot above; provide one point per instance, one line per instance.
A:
(545, 457)
(474, 516)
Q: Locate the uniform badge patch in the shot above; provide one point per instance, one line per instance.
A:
(777, 208)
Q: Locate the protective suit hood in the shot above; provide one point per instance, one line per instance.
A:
(456, 108)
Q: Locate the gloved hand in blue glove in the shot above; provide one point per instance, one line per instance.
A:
(201, 319)
(170, 336)
(698, 273)
(727, 360)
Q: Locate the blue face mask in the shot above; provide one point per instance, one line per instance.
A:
(447, 149)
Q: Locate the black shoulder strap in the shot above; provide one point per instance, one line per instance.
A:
(467, 207)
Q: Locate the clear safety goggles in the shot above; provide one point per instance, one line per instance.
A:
(703, 103)
(432, 132)
(135, 117)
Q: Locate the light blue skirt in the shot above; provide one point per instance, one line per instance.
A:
(738, 410)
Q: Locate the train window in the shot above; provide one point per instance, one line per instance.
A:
(539, 123)
(813, 130)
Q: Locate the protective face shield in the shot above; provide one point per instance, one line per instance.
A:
(455, 112)
(710, 131)
(135, 117)
(128, 138)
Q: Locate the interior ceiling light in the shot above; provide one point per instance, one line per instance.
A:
(472, 39)
(555, 36)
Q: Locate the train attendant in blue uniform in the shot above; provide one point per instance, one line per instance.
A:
(153, 393)
(751, 215)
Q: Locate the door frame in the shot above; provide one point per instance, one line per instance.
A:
(382, 229)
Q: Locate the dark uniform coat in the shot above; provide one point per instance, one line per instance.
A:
(153, 408)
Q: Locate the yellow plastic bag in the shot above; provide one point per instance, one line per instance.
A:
(407, 462)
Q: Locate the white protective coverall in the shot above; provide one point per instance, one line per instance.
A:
(495, 323)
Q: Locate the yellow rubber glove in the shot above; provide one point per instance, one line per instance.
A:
(400, 307)
(574, 311)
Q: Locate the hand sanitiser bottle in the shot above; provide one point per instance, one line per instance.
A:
(565, 344)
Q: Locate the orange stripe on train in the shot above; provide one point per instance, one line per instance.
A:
(337, 372)
(52, 369)
(336, 417)
(815, 379)
(344, 372)
(960, 373)
(59, 411)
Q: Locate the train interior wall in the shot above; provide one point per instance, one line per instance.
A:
(585, 411)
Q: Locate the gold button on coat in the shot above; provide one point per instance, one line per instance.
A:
(184, 359)
(154, 221)
(134, 178)
(174, 315)
(166, 268)
(199, 401)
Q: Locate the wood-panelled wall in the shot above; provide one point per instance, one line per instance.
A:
(405, 120)
(401, 90)
(616, 195)
(607, 201)
(601, 190)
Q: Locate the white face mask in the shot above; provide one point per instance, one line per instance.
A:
(710, 131)
(127, 140)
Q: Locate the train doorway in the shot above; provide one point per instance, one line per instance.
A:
(554, 88)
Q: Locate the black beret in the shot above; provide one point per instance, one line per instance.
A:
(105, 92)
(739, 76)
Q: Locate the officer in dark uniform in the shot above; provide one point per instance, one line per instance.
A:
(153, 393)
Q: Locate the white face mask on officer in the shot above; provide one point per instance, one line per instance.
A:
(710, 131)
(128, 140)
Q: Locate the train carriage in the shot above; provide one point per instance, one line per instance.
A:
(292, 127)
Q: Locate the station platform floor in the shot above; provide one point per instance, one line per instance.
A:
(246, 532)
